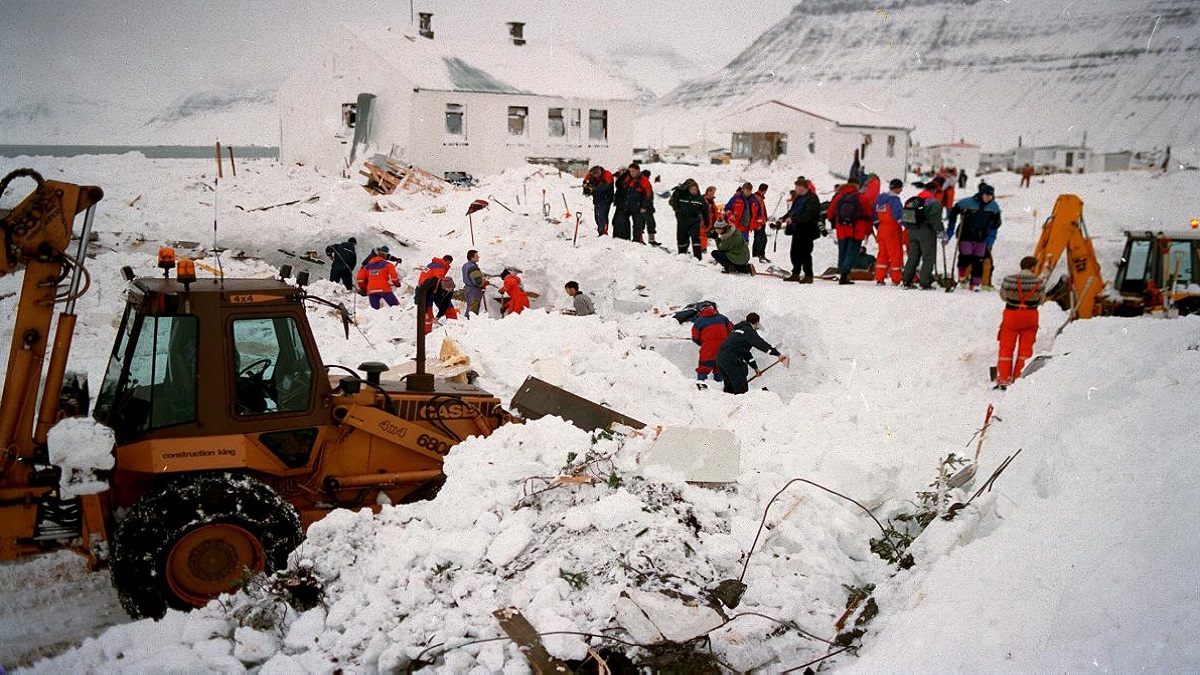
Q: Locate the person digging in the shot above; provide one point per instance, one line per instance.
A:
(734, 358)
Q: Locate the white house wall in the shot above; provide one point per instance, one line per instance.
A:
(310, 102)
(834, 145)
(488, 147)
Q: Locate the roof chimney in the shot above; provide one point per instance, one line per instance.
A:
(516, 30)
(424, 28)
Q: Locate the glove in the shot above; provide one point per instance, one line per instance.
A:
(824, 231)
(945, 237)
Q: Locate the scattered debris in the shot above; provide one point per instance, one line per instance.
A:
(384, 176)
(308, 200)
(536, 399)
(517, 627)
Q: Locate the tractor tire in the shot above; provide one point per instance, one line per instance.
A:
(195, 538)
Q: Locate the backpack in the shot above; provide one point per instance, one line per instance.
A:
(849, 209)
(913, 213)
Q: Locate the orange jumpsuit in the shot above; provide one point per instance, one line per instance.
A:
(891, 250)
(517, 300)
(1022, 294)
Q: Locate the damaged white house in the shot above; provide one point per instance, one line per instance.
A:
(452, 106)
(831, 133)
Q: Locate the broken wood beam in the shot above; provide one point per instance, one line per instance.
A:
(518, 628)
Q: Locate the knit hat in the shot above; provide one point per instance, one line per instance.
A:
(382, 249)
(352, 241)
(985, 189)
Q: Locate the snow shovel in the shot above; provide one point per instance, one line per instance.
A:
(575, 238)
(566, 206)
(545, 206)
(769, 366)
(477, 205)
(950, 283)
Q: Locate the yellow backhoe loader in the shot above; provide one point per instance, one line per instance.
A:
(232, 435)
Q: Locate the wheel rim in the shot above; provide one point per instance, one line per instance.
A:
(210, 560)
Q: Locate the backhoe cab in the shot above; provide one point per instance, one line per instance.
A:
(232, 437)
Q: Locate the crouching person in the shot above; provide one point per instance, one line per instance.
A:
(734, 355)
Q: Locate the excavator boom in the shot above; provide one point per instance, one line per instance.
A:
(1064, 231)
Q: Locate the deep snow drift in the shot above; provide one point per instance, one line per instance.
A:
(1079, 558)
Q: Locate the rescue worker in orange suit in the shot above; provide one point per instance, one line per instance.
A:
(1022, 293)
(377, 277)
(518, 301)
(890, 259)
(709, 330)
(441, 296)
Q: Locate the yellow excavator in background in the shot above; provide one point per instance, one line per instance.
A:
(1158, 272)
(231, 434)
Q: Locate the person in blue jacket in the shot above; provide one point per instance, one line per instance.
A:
(980, 222)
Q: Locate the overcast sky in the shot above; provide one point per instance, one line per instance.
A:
(154, 51)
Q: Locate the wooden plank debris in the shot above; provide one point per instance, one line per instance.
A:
(517, 627)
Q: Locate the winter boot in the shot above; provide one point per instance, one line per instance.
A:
(844, 280)
(793, 277)
(806, 279)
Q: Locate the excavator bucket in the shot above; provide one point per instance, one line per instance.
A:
(536, 399)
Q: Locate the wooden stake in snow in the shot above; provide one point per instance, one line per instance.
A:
(232, 166)
(219, 173)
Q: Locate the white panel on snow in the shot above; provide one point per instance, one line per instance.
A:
(703, 455)
(649, 617)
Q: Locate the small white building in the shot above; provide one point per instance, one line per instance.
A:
(776, 128)
(448, 106)
(1109, 161)
(962, 156)
(1052, 158)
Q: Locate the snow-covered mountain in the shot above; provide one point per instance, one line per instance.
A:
(653, 70)
(1125, 72)
(243, 116)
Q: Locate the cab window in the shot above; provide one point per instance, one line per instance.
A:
(271, 368)
(152, 379)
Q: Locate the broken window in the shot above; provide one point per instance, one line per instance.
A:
(891, 149)
(598, 125)
(455, 119)
(516, 120)
(558, 127)
(349, 115)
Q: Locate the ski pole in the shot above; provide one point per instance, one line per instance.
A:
(575, 238)
(471, 221)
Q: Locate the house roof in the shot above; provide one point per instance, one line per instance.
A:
(954, 145)
(843, 115)
(492, 67)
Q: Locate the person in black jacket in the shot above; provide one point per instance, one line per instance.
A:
(343, 258)
(691, 211)
(734, 354)
(803, 223)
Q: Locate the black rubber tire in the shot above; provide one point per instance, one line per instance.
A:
(144, 540)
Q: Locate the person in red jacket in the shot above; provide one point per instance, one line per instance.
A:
(743, 210)
(442, 294)
(758, 223)
(709, 330)
(518, 301)
(377, 277)
(852, 212)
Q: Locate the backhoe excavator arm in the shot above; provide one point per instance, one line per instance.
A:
(1065, 231)
(37, 234)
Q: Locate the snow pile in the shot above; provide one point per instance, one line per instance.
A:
(81, 447)
(884, 384)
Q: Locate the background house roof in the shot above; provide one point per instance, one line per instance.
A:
(492, 67)
(845, 115)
